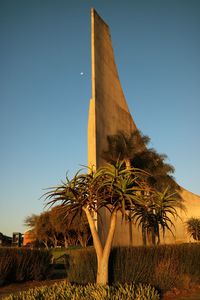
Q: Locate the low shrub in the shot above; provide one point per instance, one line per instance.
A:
(61, 291)
(20, 264)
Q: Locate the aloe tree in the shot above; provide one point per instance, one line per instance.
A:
(155, 213)
(112, 187)
(193, 228)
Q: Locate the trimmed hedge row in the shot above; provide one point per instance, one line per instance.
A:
(19, 264)
(66, 291)
(81, 265)
(165, 266)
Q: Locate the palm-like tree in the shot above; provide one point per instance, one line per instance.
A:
(113, 187)
(124, 147)
(154, 212)
(161, 172)
(133, 150)
(193, 228)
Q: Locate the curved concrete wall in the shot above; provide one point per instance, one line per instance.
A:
(109, 114)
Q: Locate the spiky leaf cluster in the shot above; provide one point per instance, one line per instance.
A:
(193, 228)
(112, 186)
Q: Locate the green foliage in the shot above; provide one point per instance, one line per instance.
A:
(112, 186)
(117, 188)
(165, 266)
(154, 213)
(193, 228)
(133, 148)
(18, 264)
(72, 257)
(67, 291)
(87, 261)
(53, 227)
(161, 172)
(124, 147)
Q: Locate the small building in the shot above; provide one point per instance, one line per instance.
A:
(5, 241)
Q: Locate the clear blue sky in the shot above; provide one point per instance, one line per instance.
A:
(44, 100)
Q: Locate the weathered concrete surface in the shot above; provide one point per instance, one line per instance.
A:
(109, 111)
(109, 114)
(192, 205)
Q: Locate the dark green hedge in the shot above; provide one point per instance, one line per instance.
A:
(20, 264)
(164, 266)
(80, 264)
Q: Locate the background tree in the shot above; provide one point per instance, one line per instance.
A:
(74, 228)
(193, 228)
(82, 229)
(124, 147)
(161, 172)
(43, 229)
(62, 226)
(31, 222)
(134, 150)
(53, 228)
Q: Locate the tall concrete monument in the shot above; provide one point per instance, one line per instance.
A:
(108, 111)
(109, 114)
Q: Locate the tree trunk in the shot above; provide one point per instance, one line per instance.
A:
(102, 271)
(130, 230)
(102, 253)
(66, 242)
(158, 236)
(153, 236)
(82, 240)
(128, 164)
(55, 241)
(46, 244)
(144, 236)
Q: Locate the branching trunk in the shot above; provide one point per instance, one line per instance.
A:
(83, 239)
(96, 240)
(54, 240)
(158, 236)
(66, 243)
(102, 253)
(46, 244)
(102, 271)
